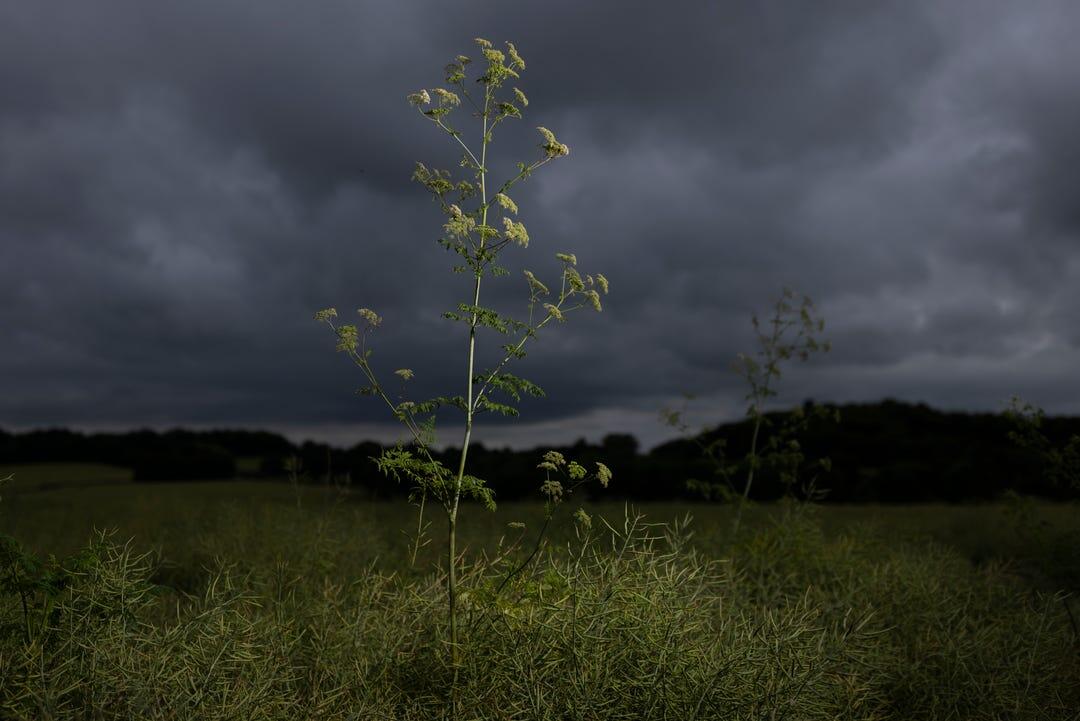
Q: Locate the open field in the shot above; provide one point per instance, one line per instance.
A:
(54, 508)
(260, 600)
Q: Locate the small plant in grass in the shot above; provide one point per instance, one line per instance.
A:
(294, 468)
(561, 479)
(481, 223)
(790, 333)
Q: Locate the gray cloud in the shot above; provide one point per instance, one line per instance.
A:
(181, 187)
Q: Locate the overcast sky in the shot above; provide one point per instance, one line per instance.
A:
(183, 184)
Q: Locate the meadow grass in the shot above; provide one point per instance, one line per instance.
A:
(52, 476)
(249, 607)
(55, 507)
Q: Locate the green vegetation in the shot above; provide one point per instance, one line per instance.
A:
(51, 476)
(247, 607)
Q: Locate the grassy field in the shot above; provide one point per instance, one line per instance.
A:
(54, 508)
(260, 600)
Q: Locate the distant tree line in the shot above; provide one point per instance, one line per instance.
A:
(894, 452)
(171, 456)
(886, 452)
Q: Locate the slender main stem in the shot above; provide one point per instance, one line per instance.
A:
(451, 576)
(749, 474)
(760, 394)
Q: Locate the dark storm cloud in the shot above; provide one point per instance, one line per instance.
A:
(181, 186)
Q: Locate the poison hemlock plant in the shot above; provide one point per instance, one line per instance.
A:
(481, 223)
(1062, 465)
(791, 314)
(792, 332)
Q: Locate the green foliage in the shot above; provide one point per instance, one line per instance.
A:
(79, 589)
(285, 617)
(511, 385)
(422, 474)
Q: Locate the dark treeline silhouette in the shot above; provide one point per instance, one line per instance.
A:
(881, 452)
(171, 456)
(892, 451)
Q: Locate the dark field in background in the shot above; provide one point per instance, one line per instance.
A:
(54, 507)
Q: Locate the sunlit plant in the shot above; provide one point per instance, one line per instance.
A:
(481, 223)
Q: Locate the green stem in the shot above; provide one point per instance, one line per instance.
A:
(749, 474)
(521, 567)
(419, 530)
(760, 394)
(22, 598)
(451, 576)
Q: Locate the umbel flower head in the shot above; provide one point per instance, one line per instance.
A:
(554, 312)
(505, 202)
(551, 146)
(515, 59)
(419, 98)
(603, 474)
(552, 461)
(447, 98)
(552, 489)
(515, 231)
(369, 317)
(348, 338)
